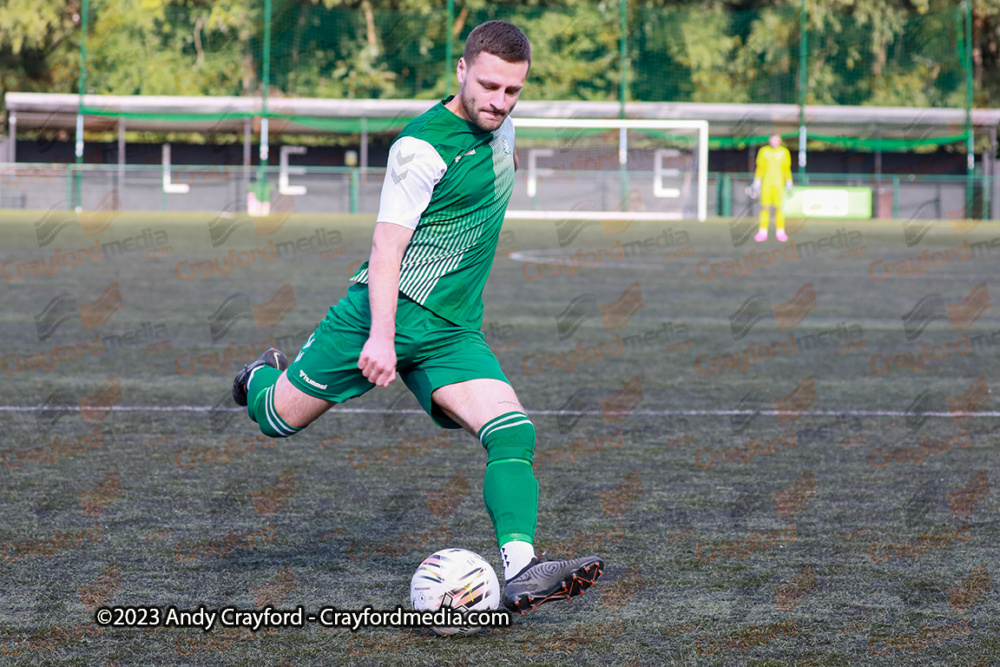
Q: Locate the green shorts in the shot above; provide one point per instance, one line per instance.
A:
(431, 352)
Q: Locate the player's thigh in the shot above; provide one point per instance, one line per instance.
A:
(474, 403)
(771, 195)
(325, 371)
(455, 376)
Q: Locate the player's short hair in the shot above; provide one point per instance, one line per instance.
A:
(499, 38)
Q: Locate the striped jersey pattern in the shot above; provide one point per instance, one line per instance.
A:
(450, 255)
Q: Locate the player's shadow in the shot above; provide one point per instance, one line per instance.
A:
(925, 507)
(394, 415)
(747, 504)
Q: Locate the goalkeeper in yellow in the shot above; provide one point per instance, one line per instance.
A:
(772, 177)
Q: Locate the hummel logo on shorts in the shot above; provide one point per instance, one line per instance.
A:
(302, 374)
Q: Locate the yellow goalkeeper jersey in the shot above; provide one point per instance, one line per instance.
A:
(774, 165)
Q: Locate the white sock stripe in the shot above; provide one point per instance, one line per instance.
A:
(285, 425)
(500, 428)
(269, 404)
(490, 426)
(500, 420)
(250, 377)
(267, 411)
(279, 426)
(493, 431)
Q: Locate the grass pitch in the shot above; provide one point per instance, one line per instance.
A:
(784, 453)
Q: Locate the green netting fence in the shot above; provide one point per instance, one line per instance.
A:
(799, 53)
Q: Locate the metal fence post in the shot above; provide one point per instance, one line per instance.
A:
(623, 177)
(727, 194)
(70, 176)
(970, 135)
(449, 46)
(76, 200)
(353, 194)
(895, 195)
(262, 190)
(803, 84)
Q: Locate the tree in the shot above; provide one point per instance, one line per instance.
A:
(884, 52)
(39, 45)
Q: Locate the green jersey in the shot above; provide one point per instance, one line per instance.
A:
(449, 181)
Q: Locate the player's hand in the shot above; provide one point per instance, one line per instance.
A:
(378, 361)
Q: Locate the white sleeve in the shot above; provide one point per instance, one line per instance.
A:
(414, 168)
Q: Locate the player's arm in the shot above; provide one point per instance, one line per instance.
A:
(786, 168)
(378, 357)
(414, 168)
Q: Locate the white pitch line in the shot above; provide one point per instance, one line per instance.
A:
(650, 413)
(532, 256)
(527, 257)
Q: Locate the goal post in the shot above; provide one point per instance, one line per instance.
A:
(610, 169)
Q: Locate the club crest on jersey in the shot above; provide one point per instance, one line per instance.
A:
(459, 157)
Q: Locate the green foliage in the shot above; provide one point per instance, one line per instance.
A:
(872, 52)
(701, 43)
(155, 47)
(578, 57)
(39, 50)
(35, 25)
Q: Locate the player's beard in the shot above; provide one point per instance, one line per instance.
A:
(483, 120)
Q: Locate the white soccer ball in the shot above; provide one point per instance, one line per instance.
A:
(455, 578)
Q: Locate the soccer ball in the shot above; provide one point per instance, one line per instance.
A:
(455, 578)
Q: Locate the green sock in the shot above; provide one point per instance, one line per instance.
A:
(510, 490)
(262, 379)
(260, 404)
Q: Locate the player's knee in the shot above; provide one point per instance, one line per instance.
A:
(516, 442)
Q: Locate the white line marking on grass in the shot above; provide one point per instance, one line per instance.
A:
(648, 413)
(529, 256)
(537, 257)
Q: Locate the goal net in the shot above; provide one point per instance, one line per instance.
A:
(604, 169)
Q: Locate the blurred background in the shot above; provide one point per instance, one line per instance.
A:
(184, 183)
(894, 96)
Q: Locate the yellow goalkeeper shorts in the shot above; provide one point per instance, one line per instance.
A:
(772, 195)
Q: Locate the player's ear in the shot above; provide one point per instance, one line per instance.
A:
(461, 70)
